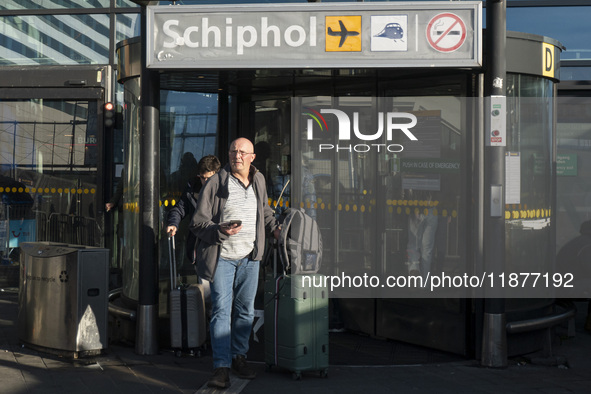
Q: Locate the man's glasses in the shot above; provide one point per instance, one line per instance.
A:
(240, 153)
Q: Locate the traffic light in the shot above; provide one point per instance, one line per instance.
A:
(109, 115)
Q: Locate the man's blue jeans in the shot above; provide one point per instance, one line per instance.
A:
(233, 291)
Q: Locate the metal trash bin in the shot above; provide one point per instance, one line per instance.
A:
(63, 298)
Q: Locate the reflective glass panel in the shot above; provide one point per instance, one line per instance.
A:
(529, 238)
(48, 173)
(125, 4)
(575, 73)
(391, 196)
(130, 176)
(569, 25)
(54, 39)
(573, 177)
(127, 26)
(188, 131)
(51, 4)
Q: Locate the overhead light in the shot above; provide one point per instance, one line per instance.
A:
(265, 109)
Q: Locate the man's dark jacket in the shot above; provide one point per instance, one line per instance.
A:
(205, 223)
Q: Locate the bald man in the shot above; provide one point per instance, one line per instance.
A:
(231, 220)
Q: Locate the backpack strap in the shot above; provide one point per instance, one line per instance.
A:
(283, 242)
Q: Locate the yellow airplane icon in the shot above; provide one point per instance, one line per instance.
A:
(343, 33)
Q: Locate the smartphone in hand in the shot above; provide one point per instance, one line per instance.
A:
(231, 223)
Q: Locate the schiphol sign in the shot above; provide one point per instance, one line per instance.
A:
(390, 34)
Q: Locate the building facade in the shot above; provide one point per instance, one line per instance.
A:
(60, 163)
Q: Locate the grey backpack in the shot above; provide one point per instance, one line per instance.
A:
(300, 243)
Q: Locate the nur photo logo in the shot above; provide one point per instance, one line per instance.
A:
(351, 127)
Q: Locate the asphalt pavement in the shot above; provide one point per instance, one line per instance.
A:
(119, 369)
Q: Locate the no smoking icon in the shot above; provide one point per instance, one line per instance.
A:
(446, 32)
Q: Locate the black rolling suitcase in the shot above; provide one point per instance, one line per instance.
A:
(187, 312)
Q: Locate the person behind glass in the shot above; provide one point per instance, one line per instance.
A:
(422, 228)
(116, 201)
(206, 168)
(230, 222)
(188, 167)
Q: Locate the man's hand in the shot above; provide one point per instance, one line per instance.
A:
(109, 206)
(230, 229)
(171, 230)
(277, 232)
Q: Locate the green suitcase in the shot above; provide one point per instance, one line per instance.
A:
(296, 328)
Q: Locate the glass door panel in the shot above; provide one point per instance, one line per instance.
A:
(49, 154)
(188, 132)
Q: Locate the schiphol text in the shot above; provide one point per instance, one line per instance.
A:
(239, 37)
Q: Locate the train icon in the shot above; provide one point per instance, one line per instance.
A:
(392, 31)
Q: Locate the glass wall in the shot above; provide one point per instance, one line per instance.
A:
(56, 5)
(54, 39)
(573, 159)
(552, 22)
(529, 174)
(61, 5)
(368, 203)
(365, 200)
(130, 178)
(188, 131)
(126, 26)
(48, 173)
(272, 145)
(125, 4)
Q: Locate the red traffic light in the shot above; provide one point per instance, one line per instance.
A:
(109, 115)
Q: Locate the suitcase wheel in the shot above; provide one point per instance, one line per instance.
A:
(324, 373)
(190, 353)
(268, 367)
(296, 375)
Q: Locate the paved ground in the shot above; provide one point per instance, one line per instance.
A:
(120, 370)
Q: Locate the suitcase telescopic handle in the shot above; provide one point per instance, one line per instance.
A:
(172, 260)
(274, 251)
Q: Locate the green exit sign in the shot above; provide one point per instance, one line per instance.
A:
(566, 164)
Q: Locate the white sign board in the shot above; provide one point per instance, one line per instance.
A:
(389, 34)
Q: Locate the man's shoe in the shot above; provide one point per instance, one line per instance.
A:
(220, 378)
(241, 369)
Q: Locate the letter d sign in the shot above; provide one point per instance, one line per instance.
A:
(548, 60)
